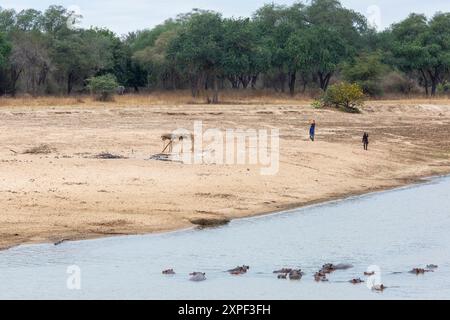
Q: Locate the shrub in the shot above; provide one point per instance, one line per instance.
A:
(444, 88)
(396, 82)
(367, 71)
(103, 87)
(345, 96)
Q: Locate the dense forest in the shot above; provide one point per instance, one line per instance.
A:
(296, 49)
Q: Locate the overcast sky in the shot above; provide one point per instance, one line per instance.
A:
(124, 16)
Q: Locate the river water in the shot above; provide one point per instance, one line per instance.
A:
(395, 231)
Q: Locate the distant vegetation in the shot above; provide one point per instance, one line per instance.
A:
(344, 96)
(103, 87)
(300, 49)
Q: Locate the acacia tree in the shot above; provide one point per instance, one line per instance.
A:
(30, 60)
(334, 36)
(5, 49)
(29, 20)
(82, 54)
(276, 24)
(151, 55)
(423, 47)
(240, 52)
(198, 50)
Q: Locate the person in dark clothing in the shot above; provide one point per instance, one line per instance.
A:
(312, 130)
(365, 141)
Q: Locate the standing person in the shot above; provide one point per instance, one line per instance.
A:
(365, 141)
(312, 130)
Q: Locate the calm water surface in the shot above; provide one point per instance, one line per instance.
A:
(395, 230)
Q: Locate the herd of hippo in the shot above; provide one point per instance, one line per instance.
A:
(297, 274)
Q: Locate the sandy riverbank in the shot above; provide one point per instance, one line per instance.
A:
(69, 194)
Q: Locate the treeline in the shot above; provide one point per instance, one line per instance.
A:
(296, 49)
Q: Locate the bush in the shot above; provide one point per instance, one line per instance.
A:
(444, 88)
(103, 87)
(367, 71)
(345, 96)
(396, 82)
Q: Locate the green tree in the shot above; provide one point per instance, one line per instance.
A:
(276, 24)
(198, 51)
(345, 96)
(103, 87)
(29, 20)
(423, 47)
(7, 20)
(82, 54)
(367, 71)
(334, 37)
(5, 49)
(153, 58)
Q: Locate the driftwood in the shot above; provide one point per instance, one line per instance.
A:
(210, 223)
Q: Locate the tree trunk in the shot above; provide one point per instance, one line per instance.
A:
(254, 79)
(282, 79)
(425, 80)
(434, 76)
(324, 80)
(292, 80)
(70, 83)
(215, 99)
(195, 85)
(234, 82)
(15, 75)
(304, 82)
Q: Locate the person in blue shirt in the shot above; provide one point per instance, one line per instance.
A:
(312, 130)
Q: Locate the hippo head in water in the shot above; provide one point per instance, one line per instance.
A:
(320, 277)
(418, 271)
(168, 272)
(197, 276)
(295, 274)
(379, 287)
(284, 270)
(239, 270)
(356, 281)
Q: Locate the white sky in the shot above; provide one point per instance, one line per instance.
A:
(125, 16)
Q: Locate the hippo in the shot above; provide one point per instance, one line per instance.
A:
(418, 271)
(295, 274)
(369, 273)
(197, 276)
(379, 287)
(432, 266)
(282, 276)
(356, 281)
(329, 267)
(284, 270)
(239, 270)
(343, 266)
(168, 272)
(320, 277)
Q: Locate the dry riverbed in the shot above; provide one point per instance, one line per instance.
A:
(64, 191)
